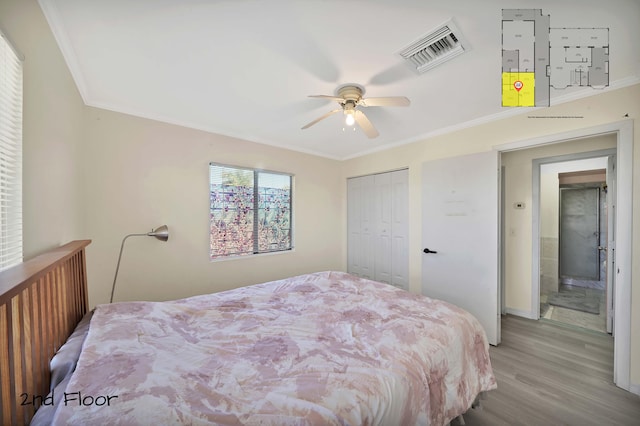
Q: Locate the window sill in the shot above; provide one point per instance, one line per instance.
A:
(251, 256)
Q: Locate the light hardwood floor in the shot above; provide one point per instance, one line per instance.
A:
(550, 374)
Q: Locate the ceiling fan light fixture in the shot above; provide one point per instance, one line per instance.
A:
(349, 97)
(349, 119)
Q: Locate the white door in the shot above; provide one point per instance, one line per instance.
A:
(391, 217)
(383, 220)
(400, 229)
(460, 218)
(580, 233)
(378, 217)
(361, 226)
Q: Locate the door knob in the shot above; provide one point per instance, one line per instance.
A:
(428, 251)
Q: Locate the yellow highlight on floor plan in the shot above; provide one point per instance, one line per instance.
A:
(518, 89)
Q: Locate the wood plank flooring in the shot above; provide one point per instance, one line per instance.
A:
(550, 374)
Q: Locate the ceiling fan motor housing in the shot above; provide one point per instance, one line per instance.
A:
(351, 93)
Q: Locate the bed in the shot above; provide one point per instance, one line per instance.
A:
(321, 348)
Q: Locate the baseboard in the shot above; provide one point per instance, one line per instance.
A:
(634, 388)
(522, 313)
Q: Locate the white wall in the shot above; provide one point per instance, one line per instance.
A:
(140, 173)
(90, 173)
(53, 116)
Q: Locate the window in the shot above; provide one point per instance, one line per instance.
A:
(250, 211)
(10, 156)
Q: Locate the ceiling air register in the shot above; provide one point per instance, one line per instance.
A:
(435, 48)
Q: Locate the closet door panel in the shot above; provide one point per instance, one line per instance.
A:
(400, 229)
(383, 220)
(360, 226)
(377, 227)
(354, 201)
(367, 225)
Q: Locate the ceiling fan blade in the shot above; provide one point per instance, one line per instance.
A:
(321, 118)
(331, 98)
(388, 101)
(365, 124)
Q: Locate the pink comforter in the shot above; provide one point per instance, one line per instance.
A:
(319, 349)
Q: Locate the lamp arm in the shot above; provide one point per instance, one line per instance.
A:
(113, 287)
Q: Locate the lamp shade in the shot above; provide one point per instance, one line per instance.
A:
(161, 233)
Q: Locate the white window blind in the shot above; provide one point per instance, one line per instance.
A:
(250, 211)
(10, 156)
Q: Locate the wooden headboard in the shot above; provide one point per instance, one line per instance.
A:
(41, 301)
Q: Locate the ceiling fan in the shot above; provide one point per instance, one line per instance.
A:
(349, 96)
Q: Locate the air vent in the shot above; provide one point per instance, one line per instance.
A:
(434, 48)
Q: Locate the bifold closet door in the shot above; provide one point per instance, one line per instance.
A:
(360, 226)
(378, 227)
(391, 235)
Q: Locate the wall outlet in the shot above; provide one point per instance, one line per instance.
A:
(519, 205)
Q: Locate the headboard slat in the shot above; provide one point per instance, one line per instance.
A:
(41, 301)
(15, 359)
(5, 396)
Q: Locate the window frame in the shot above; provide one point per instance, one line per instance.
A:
(255, 237)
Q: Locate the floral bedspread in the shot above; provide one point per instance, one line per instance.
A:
(320, 349)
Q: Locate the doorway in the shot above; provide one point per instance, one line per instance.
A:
(620, 252)
(573, 243)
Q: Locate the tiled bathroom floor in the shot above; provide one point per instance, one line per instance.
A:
(573, 317)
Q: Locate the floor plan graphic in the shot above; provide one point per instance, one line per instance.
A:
(537, 58)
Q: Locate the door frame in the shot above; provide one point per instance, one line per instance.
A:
(536, 169)
(612, 185)
(624, 217)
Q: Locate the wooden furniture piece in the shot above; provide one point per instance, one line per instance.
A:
(41, 301)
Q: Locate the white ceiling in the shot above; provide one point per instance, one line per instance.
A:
(244, 68)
